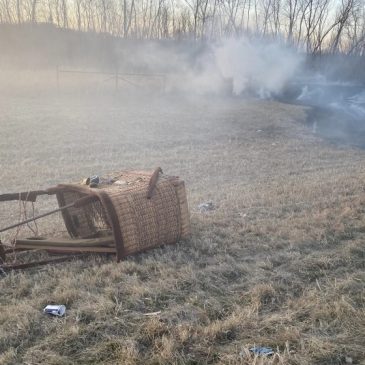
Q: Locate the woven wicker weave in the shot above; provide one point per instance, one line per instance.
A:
(122, 207)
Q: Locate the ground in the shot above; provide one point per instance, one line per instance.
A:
(279, 262)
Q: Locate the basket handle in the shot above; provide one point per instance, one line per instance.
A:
(153, 182)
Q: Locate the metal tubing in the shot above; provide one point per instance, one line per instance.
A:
(38, 263)
(26, 195)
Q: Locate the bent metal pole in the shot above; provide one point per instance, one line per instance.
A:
(76, 204)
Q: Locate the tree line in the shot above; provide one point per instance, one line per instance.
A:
(315, 26)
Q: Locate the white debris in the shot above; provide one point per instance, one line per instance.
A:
(120, 182)
(206, 207)
(55, 310)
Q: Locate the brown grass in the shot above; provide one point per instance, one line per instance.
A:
(279, 263)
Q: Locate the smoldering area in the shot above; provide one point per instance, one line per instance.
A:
(44, 60)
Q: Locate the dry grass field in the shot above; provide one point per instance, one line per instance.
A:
(280, 261)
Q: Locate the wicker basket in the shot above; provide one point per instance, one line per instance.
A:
(141, 209)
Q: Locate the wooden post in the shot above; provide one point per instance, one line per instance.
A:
(58, 78)
(164, 84)
(116, 79)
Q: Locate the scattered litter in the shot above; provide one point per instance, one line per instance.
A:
(206, 207)
(152, 314)
(55, 310)
(262, 351)
(120, 182)
(259, 130)
(94, 181)
(106, 181)
(348, 360)
(86, 181)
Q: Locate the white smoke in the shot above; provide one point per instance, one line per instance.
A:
(234, 65)
(264, 68)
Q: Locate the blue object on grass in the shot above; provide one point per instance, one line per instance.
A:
(262, 351)
(94, 179)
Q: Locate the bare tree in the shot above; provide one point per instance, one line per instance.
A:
(317, 25)
(231, 8)
(34, 9)
(341, 20)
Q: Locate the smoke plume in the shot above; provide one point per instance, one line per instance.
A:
(263, 67)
